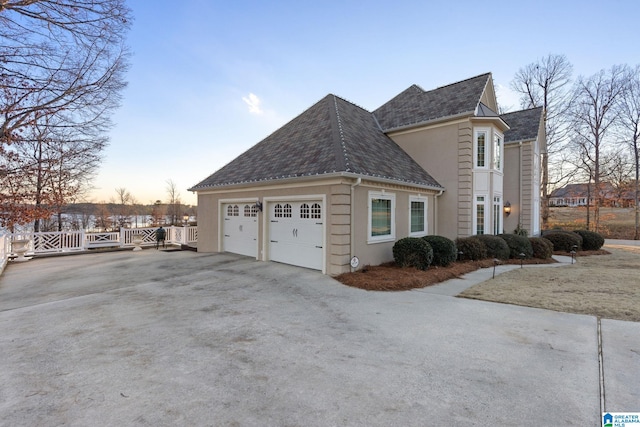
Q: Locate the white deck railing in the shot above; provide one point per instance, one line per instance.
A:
(76, 241)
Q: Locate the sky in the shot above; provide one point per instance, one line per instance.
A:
(209, 79)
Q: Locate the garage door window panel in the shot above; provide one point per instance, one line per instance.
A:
(305, 212)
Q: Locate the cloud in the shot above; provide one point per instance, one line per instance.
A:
(254, 103)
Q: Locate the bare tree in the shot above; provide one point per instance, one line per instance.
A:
(62, 56)
(546, 83)
(174, 203)
(157, 213)
(62, 66)
(101, 214)
(617, 169)
(593, 116)
(52, 167)
(122, 207)
(630, 130)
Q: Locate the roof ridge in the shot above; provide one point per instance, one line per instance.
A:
(520, 111)
(462, 81)
(341, 151)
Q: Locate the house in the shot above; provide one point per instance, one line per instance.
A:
(575, 195)
(340, 183)
(572, 195)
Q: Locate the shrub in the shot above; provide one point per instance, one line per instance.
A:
(496, 247)
(444, 250)
(564, 240)
(521, 231)
(542, 248)
(591, 241)
(471, 247)
(517, 245)
(413, 252)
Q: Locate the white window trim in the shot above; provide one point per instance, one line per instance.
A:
(497, 214)
(488, 143)
(501, 154)
(426, 224)
(475, 213)
(385, 196)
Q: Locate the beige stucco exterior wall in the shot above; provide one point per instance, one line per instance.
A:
(445, 152)
(520, 186)
(512, 182)
(465, 180)
(337, 194)
(371, 253)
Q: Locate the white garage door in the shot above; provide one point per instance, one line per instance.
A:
(240, 229)
(295, 233)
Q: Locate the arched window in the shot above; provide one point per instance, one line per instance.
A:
(247, 210)
(229, 210)
(304, 211)
(287, 210)
(254, 210)
(316, 211)
(278, 211)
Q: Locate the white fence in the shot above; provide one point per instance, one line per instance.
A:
(75, 241)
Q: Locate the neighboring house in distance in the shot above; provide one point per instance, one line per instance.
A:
(575, 195)
(339, 181)
(571, 195)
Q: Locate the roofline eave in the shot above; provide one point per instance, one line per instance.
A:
(308, 178)
(502, 124)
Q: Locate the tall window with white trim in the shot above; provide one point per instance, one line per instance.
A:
(480, 151)
(417, 216)
(497, 151)
(381, 224)
(497, 215)
(479, 214)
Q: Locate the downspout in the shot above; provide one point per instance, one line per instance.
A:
(435, 212)
(520, 186)
(351, 221)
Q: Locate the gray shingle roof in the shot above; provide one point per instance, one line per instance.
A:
(523, 124)
(414, 105)
(332, 136)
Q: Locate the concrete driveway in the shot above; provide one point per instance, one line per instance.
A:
(156, 338)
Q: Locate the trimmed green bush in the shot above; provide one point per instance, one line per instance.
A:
(496, 247)
(591, 241)
(517, 245)
(564, 240)
(444, 250)
(413, 252)
(521, 231)
(471, 247)
(542, 248)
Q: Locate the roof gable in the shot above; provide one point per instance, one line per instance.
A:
(524, 125)
(332, 136)
(414, 105)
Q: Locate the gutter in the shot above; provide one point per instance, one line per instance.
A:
(305, 178)
(520, 187)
